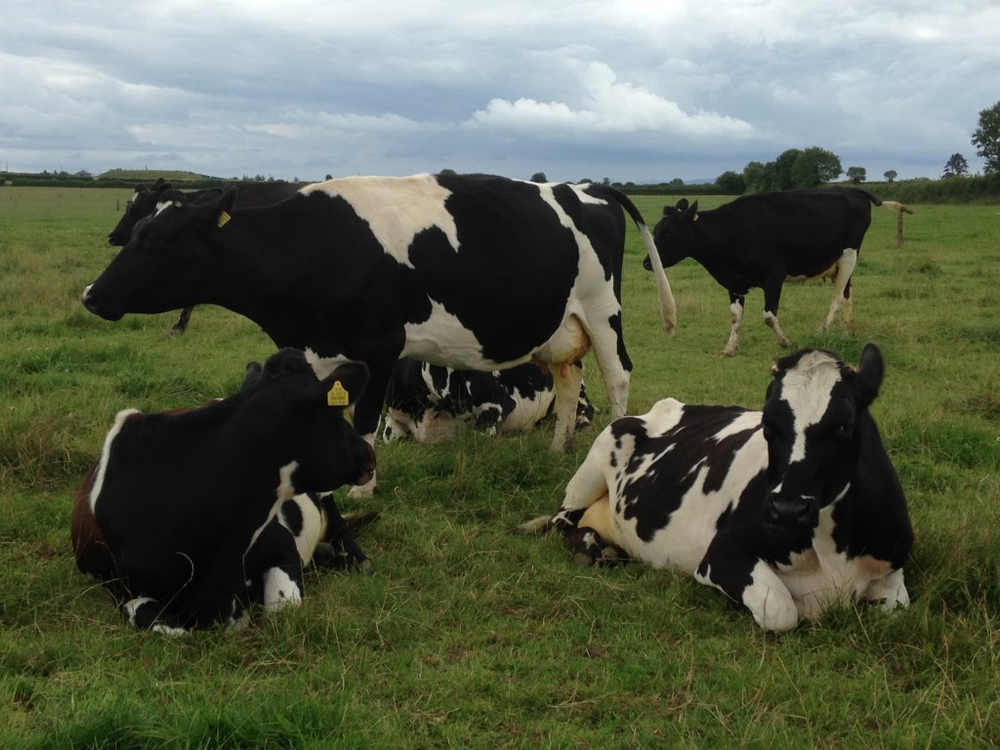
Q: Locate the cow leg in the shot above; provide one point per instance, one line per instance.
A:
(567, 377)
(736, 305)
(747, 579)
(772, 295)
(614, 362)
(890, 590)
(182, 322)
(338, 549)
(845, 267)
(593, 540)
(848, 309)
(146, 613)
(273, 568)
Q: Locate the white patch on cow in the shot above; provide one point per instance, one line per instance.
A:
(443, 340)
(164, 205)
(314, 523)
(280, 590)
(733, 345)
(324, 366)
(585, 197)
(102, 467)
(806, 388)
(396, 208)
(527, 411)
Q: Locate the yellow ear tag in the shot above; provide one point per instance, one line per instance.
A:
(337, 395)
(224, 218)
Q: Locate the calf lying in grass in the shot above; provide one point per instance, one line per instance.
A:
(785, 510)
(190, 515)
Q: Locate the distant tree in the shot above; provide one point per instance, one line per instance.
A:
(83, 173)
(986, 139)
(585, 179)
(956, 166)
(753, 177)
(606, 181)
(447, 172)
(328, 177)
(856, 174)
(814, 166)
(890, 175)
(539, 177)
(784, 179)
(730, 183)
(676, 182)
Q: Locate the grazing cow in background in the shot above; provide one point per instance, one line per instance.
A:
(762, 240)
(428, 401)
(183, 503)
(474, 272)
(144, 199)
(785, 510)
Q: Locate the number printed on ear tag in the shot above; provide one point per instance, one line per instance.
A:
(337, 395)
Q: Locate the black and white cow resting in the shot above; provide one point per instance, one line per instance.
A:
(429, 402)
(762, 240)
(187, 513)
(144, 199)
(474, 272)
(785, 510)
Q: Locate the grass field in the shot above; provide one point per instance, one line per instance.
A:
(468, 636)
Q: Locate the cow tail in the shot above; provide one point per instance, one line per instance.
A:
(668, 307)
(894, 206)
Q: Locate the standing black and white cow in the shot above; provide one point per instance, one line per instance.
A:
(473, 272)
(785, 510)
(428, 402)
(189, 509)
(762, 240)
(144, 200)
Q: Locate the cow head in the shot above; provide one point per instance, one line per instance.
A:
(293, 410)
(140, 205)
(674, 232)
(167, 260)
(814, 407)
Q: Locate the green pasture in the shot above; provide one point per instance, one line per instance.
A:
(467, 635)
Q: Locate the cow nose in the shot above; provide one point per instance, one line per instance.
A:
(787, 510)
(85, 297)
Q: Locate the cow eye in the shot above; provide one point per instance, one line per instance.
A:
(843, 431)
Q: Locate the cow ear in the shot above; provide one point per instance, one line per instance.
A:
(870, 373)
(160, 185)
(682, 204)
(693, 211)
(346, 384)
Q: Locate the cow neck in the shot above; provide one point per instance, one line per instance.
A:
(271, 266)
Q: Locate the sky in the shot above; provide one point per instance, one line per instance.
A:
(631, 91)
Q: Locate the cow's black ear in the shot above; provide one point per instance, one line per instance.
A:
(693, 209)
(253, 376)
(346, 384)
(871, 370)
(682, 204)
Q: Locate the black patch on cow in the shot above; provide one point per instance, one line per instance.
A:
(291, 515)
(615, 321)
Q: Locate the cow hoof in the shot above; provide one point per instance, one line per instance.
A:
(731, 352)
(365, 567)
(175, 332)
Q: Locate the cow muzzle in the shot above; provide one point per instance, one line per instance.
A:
(791, 511)
(367, 464)
(88, 301)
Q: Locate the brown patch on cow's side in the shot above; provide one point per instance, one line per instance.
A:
(89, 548)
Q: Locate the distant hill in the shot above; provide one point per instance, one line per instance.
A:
(148, 175)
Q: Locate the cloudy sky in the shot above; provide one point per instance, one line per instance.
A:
(641, 91)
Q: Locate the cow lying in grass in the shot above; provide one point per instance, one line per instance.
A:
(187, 514)
(785, 510)
(428, 402)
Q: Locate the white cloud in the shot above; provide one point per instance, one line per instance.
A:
(607, 106)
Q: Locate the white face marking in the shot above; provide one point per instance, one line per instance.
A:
(396, 208)
(102, 467)
(806, 389)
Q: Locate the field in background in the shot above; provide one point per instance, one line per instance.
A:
(467, 635)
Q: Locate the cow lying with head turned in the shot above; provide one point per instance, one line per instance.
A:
(428, 402)
(785, 510)
(761, 240)
(187, 514)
